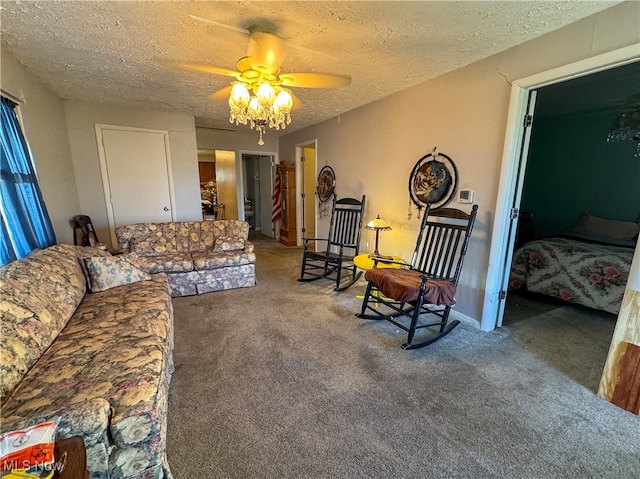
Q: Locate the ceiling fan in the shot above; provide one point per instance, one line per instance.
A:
(265, 53)
(259, 95)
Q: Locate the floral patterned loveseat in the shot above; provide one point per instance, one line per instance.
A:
(100, 362)
(197, 256)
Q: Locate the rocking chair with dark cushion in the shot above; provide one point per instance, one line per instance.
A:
(342, 245)
(427, 286)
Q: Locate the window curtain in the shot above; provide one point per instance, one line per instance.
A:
(25, 222)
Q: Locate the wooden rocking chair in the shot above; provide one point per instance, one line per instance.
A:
(342, 245)
(426, 287)
(83, 232)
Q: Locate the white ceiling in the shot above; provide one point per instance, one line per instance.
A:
(117, 51)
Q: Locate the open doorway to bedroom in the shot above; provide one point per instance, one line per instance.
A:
(578, 222)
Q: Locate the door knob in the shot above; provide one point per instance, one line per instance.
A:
(166, 208)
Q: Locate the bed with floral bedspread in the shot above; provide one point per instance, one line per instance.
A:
(576, 270)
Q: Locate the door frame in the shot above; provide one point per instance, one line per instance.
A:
(100, 127)
(300, 187)
(513, 162)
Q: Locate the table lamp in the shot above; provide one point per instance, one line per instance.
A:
(377, 225)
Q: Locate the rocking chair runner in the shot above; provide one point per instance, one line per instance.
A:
(342, 245)
(427, 287)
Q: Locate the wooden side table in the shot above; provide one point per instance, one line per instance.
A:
(71, 459)
(365, 262)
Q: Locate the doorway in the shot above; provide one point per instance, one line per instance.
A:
(136, 175)
(578, 344)
(258, 170)
(513, 168)
(208, 184)
(306, 167)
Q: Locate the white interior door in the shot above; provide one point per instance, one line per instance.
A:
(136, 175)
(309, 191)
(266, 192)
(515, 205)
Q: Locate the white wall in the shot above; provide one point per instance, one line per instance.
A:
(46, 132)
(81, 118)
(243, 140)
(374, 148)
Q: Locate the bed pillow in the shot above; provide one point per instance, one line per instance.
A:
(107, 272)
(592, 225)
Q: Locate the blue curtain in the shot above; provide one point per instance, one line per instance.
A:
(25, 222)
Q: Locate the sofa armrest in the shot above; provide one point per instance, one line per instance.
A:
(89, 418)
(249, 247)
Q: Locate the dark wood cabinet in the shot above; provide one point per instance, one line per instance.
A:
(288, 225)
(207, 170)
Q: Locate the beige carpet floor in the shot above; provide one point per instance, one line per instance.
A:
(283, 381)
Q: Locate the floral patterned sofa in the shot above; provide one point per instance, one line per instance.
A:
(197, 256)
(87, 338)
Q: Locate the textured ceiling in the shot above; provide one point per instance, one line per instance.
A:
(117, 52)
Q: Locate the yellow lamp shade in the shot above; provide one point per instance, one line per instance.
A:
(378, 224)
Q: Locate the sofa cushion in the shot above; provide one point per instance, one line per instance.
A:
(109, 272)
(231, 229)
(166, 263)
(188, 236)
(212, 260)
(150, 238)
(207, 235)
(39, 294)
(228, 244)
(210, 230)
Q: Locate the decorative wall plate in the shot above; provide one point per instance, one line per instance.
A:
(326, 183)
(433, 180)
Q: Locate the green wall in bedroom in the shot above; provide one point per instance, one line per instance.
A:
(572, 168)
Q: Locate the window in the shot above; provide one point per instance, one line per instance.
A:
(24, 221)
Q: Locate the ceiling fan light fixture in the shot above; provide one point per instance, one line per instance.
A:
(627, 124)
(261, 105)
(283, 102)
(239, 95)
(266, 94)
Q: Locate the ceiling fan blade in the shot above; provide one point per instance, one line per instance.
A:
(217, 24)
(310, 51)
(265, 52)
(221, 94)
(199, 67)
(315, 80)
(296, 102)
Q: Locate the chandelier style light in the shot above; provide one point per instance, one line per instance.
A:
(627, 125)
(261, 102)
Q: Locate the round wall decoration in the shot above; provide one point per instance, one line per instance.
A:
(326, 184)
(433, 180)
